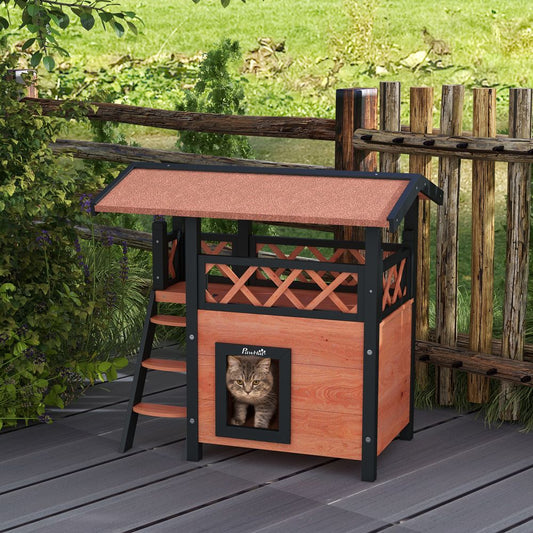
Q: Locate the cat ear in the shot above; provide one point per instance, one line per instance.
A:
(233, 362)
(264, 364)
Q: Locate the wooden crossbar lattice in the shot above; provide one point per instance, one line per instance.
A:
(215, 249)
(338, 253)
(392, 284)
(283, 287)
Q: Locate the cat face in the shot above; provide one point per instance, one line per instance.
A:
(249, 378)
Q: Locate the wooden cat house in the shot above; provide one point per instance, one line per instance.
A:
(334, 317)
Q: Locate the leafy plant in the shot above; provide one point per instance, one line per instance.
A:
(45, 19)
(216, 91)
(51, 307)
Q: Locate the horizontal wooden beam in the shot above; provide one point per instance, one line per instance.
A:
(519, 372)
(254, 126)
(493, 149)
(119, 153)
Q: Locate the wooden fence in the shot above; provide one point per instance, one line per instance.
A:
(367, 125)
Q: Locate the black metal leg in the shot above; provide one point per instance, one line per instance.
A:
(410, 237)
(139, 378)
(407, 432)
(371, 296)
(192, 249)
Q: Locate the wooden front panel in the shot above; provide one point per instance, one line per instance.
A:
(312, 341)
(314, 388)
(326, 403)
(312, 433)
(394, 374)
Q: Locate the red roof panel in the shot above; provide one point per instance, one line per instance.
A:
(309, 199)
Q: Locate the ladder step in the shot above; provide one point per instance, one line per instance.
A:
(169, 320)
(166, 365)
(160, 410)
(174, 294)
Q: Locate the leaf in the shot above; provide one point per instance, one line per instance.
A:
(104, 366)
(32, 10)
(132, 27)
(4, 24)
(106, 17)
(28, 43)
(225, 3)
(111, 374)
(87, 20)
(36, 59)
(49, 63)
(119, 28)
(120, 362)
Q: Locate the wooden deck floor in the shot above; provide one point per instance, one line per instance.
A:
(455, 476)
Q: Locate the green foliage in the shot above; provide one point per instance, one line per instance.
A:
(46, 19)
(216, 91)
(54, 308)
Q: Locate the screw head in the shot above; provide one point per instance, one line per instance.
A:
(191, 337)
(368, 440)
(192, 421)
(369, 352)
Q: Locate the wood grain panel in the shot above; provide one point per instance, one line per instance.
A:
(312, 341)
(314, 388)
(313, 433)
(394, 374)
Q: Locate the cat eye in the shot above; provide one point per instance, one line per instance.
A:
(239, 381)
(256, 382)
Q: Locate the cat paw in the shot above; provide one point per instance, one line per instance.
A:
(236, 422)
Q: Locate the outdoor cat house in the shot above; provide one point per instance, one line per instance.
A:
(325, 325)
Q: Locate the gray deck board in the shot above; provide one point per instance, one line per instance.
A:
(456, 475)
(265, 509)
(491, 509)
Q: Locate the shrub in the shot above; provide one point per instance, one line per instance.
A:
(49, 304)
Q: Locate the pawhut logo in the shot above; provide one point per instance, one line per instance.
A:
(260, 352)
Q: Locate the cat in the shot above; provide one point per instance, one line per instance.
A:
(251, 381)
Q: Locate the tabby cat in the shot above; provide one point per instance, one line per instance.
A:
(251, 381)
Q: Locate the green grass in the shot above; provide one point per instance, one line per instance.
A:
(334, 43)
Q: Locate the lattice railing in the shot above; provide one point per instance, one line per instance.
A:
(283, 294)
(394, 283)
(356, 256)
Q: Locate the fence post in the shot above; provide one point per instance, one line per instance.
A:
(389, 120)
(421, 121)
(517, 259)
(355, 108)
(451, 118)
(481, 306)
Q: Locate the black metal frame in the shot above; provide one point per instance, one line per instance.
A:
(370, 294)
(192, 249)
(139, 377)
(223, 429)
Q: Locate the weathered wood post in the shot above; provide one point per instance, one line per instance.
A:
(421, 121)
(481, 306)
(389, 120)
(451, 118)
(517, 259)
(355, 108)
